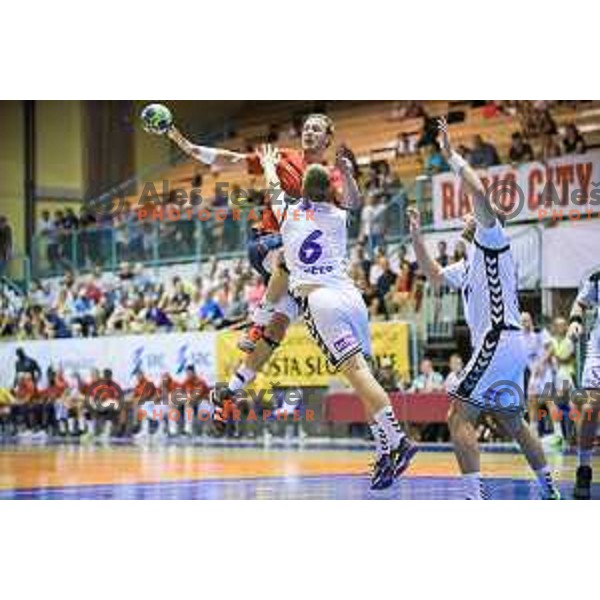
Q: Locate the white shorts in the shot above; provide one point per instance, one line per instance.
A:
(493, 379)
(338, 321)
(590, 378)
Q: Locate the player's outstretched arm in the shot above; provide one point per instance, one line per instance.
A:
(209, 156)
(483, 212)
(431, 268)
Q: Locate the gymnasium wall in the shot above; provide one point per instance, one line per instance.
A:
(192, 117)
(59, 148)
(12, 169)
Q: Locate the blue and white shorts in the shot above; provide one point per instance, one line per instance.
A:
(493, 380)
(338, 321)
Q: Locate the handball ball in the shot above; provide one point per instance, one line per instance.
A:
(157, 118)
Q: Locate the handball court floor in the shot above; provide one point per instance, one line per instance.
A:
(73, 471)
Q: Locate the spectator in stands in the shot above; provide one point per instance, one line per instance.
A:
(372, 223)
(456, 366)
(400, 297)
(405, 145)
(384, 286)
(550, 147)
(434, 161)
(428, 379)
(360, 259)
(520, 150)
(81, 308)
(156, 318)
(460, 251)
(483, 154)
(573, 142)
(442, 257)
(211, 313)
(6, 244)
(387, 377)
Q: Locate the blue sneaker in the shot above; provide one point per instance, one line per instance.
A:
(383, 473)
(402, 455)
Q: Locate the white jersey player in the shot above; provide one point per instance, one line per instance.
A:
(314, 231)
(587, 298)
(492, 381)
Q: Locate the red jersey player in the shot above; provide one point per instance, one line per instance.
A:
(277, 309)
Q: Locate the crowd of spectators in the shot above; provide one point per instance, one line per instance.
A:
(132, 301)
(391, 284)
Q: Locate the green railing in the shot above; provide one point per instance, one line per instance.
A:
(180, 237)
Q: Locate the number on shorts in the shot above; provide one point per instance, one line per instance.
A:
(310, 251)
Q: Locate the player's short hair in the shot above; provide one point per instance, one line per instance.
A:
(327, 122)
(315, 184)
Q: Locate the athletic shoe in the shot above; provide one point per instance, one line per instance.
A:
(248, 343)
(553, 494)
(402, 455)
(583, 483)
(382, 476)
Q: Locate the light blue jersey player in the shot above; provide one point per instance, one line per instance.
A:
(315, 244)
(588, 298)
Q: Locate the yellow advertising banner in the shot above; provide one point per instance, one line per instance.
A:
(299, 362)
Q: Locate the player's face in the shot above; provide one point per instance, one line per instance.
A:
(314, 135)
(526, 322)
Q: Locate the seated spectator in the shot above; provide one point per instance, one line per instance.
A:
(155, 316)
(387, 377)
(428, 380)
(442, 257)
(573, 142)
(178, 301)
(460, 251)
(483, 154)
(434, 160)
(550, 148)
(81, 312)
(210, 312)
(520, 150)
(372, 223)
(405, 145)
(400, 297)
(456, 366)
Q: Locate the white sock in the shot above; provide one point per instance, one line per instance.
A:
(145, 426)
(81, 424)
(545, 481)
(381, 442)
(585, 457)
(71, 425)
(90, 426)
(385, 419)
(242, 377)
(473, 486)
(263, 313)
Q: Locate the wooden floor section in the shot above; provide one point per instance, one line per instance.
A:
(78, 471)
